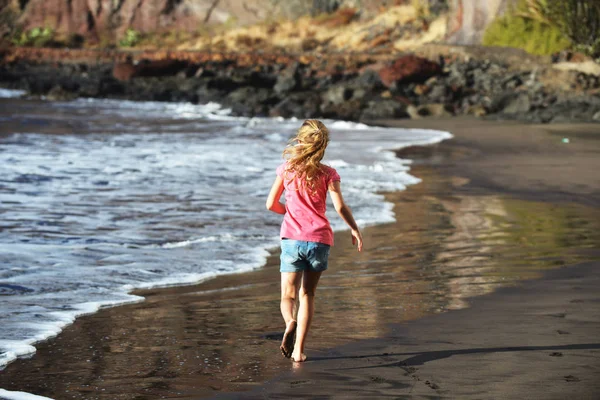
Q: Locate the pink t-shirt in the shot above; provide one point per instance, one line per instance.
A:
(305, 208)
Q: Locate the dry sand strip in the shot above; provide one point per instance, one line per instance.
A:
(537, 341)
(540, 340)
(557, 163)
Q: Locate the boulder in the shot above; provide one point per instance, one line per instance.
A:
(546, 116)
(517, 104)
(287, 80)
(241, 95)
(59, 93)
(429, 110)
(438, 92)
(123, 71)
(222, 84)
(368, 79)
(359, 94)
(477, 110)
(347, 110)
(286, 108)
(148, 68)
(511, 103)
(89, 88)
(383, 109)
(285, 84)
(409, 69)
(253, 101)
(299, 105)
(337, 95)
(204, 95)
(109, 87)
(158, 68)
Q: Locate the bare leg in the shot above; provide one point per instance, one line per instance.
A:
(305, 312)
(290, 285)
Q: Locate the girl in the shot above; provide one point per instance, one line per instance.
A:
(305, 232)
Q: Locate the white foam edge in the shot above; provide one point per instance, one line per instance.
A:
(11, 93)
(227, 237)
(390, 153)
(11, 395)
(13, 349)
(26, 348)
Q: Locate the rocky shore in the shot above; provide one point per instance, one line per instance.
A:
(354, 87)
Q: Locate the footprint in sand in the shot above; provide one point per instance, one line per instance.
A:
(571, 378)
(293, 383)
(432, 385)
(557, 315)
(377, 379)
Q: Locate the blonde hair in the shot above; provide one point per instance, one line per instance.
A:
(306, 150)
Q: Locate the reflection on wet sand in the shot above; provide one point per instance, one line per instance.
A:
(501, 240)
(189, 342)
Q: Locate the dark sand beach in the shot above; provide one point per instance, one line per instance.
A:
(484, 287)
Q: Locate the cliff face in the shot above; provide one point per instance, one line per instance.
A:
(469, 18)
(112, 17)
(99, 19)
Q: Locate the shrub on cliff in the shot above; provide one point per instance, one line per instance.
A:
(548, 26)
(131, 38)
(36, 37)
(579, 20)
(531, 35)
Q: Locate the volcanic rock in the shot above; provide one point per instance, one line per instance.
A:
(409, 69)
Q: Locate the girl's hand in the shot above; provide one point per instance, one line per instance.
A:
(357, 239)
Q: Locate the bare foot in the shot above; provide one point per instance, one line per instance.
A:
(287, 344)
(298, 357)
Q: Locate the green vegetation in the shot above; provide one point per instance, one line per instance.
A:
(579, 20)
(36, 37)
(529, 34)
(548, 26)
(131, 38)
(547, 235)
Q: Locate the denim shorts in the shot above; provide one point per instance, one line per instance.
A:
(299, 256)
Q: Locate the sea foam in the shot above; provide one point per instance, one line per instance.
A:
(10, 395)
(147, 194)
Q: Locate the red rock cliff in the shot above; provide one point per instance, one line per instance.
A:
(112, 17)
(467, 19)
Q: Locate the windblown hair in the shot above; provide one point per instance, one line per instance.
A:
(306, 150)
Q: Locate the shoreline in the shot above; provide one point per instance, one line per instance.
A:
(89, 308)
(493, 155)
(511, 343)
(538, 335)
(432, 81)
(207, 306)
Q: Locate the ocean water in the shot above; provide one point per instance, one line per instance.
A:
(99, 197)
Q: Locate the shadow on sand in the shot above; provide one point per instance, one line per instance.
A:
(420, 358)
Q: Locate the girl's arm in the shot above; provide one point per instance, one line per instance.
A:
(335, 190)
(273, 203)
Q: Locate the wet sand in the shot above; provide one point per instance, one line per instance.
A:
(498, 204)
